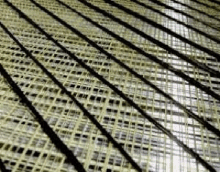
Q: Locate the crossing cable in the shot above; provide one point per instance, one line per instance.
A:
(117, 91)
(206, 5)
(44, 125)
(2, 165)
(205, 68)
(187, 111)
(183, 13)
(215, 1)
(177, 21)
(164, 29)
(202, 12)
(69, 94)
(167, 47)
(165, 65)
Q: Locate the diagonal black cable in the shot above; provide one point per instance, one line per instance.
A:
(177, 21)
(68, 93)
(45, 127)
(2, 165)
(199, 11)
(94, 73)
(206, 5)
(215, 1)
(164, 29)
(110, 138)
(183, 13)
(164, 46)
(190, 113)
(212, 72)
(150, 56)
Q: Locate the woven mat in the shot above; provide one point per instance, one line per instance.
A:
(123, 65)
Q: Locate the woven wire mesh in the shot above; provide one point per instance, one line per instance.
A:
(24, 146)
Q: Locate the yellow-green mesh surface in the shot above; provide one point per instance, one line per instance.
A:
(23, 144)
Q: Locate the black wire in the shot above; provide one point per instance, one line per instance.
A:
(97, 124)
(215, 1)
(171, 50)
(183, 13)
(190, 7)
(44, 125)
(150, 56)
(206, 5)
(190, 113)
(2, 165)
(178, 21)
(212, 72)
(164, 29)
(94, 73)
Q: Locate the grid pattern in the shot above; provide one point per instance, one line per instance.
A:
(174, 82)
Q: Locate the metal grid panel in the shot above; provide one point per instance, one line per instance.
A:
(25, 147)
